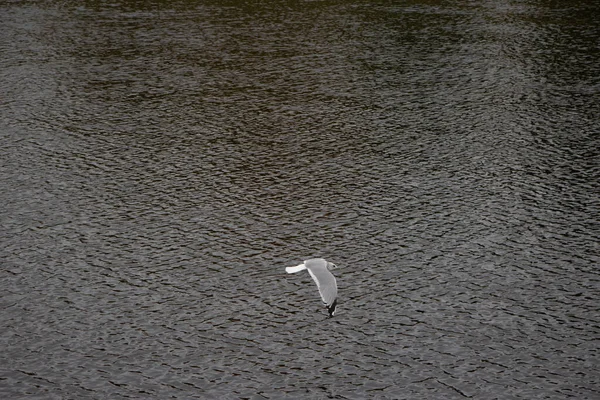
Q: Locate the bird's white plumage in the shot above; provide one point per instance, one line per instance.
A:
(297, 268)
(319, 270)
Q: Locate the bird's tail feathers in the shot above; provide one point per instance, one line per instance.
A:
(293, 270)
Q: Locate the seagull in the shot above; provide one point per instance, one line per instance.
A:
(319, 269)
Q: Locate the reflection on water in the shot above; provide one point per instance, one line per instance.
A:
(165, 161)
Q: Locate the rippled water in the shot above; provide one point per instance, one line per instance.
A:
(163, 162)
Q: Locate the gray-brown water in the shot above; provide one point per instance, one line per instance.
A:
(163, 162)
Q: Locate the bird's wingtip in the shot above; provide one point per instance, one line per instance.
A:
(331, 308)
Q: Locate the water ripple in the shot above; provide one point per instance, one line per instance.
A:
(164, 163)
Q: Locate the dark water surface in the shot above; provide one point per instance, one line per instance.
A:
(163, 162)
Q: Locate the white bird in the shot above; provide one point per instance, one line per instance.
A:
(319, 269)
